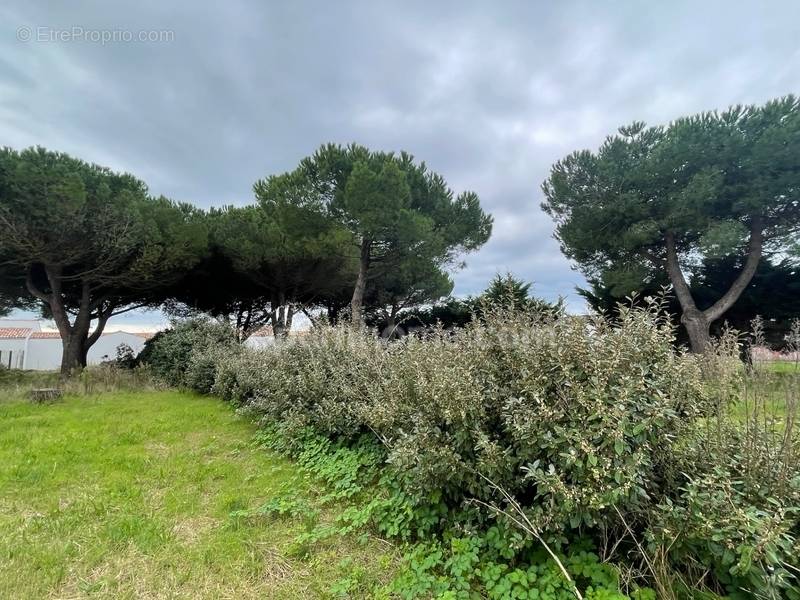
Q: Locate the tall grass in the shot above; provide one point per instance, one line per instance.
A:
(735, 529)
(17, 384)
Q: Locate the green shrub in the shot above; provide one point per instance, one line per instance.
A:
(748, 544)
(574, 414)
(571, 416)
(735, 503)
(201, 371)
(467, 564)
(187, 354)
(240, 376)
(322, 380)
(596, 428)
(464, 560)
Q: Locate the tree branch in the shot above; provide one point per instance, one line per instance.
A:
(98, 330)
(56, 302)
(128, 309)
(682, 290)
(35, 291)
(755, 248)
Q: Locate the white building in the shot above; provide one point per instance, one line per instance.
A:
(23, 345)
(264, 338)
(261, 338)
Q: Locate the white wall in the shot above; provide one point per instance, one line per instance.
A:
(106, 347)
(260, 341)
(44, 354)
(15, 347)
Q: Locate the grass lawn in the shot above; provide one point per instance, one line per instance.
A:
(784, 366)
(130, 495)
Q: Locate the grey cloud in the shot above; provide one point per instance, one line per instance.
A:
(488, 95)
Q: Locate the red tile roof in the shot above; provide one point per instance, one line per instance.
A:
(45, 335)
(14, 333)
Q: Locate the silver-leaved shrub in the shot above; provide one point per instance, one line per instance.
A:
(593, 425)
(572, 415)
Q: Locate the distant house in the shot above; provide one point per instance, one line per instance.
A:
(264, 338)
(261, 338)
(23, 345)
(764, 354)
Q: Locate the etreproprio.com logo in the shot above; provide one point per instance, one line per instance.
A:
(80, 34)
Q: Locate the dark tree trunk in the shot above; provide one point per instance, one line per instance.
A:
(697, 326)
(333, 311)
(72, 356)
(84, 355)
(245, 321)
(75, 338)
(76, 344)
(73, 335)
(90, 339)
(697, 322)
(281, 316)
(390, 328)
(357, 302)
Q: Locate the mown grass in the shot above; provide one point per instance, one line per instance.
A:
(783, 366)
(134, 494)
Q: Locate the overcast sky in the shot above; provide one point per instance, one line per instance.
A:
(487, 94)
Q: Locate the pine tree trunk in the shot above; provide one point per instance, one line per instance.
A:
(282, 323)
(75, 338)
(277, 317)
(357, 302)
(390, 328)
(333, 314)
(695, 321)
(71, 355)
(84, 355)
(697, 326)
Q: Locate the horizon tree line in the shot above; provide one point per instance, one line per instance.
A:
(347, 226)
(709, 204)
